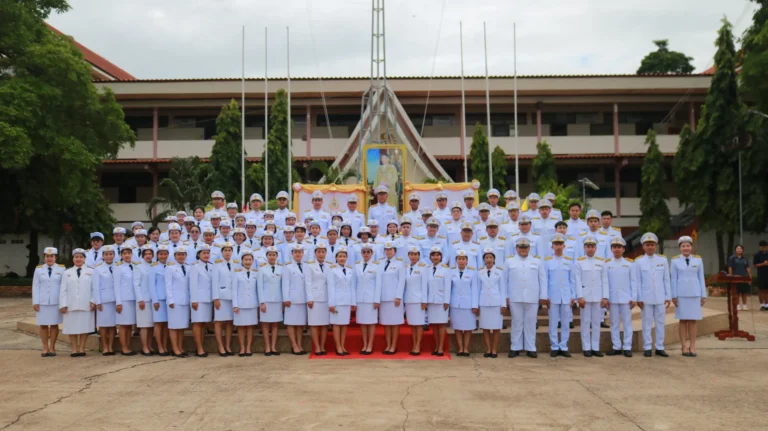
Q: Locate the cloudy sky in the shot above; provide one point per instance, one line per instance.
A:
(202, 38)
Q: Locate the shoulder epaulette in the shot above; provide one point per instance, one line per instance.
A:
(323, 237)
(235, 260)
(333, 266)
(39, 266)
(600, 259)
(582, 258)
(119, 263)
(419, 237)
(135, 262)
(483, 238)
(95, 266)
(238, 269)
(536, 218)
(374, 205)
(61, 266)
(697, 256)
(536, 256)
(608, 259)
(420, 264)
(629, 260)
(500, 268)
(471, 268)
(219, 260)
(455, 242)
(357, 262)
(263, 264)
(476, 222)
(548, 258)
(448, 222)
(444, 265)
(676, 256)
(568, 258)
(400, 259)
(503, 238)
(616, 228)
(441, 236)
(170, 263)
(475, 242)
(660, 255)
(453, 267)
(583, 233)
(375, 262)
(311, 262)
(153, 264)
(571, 238)
(602, 231)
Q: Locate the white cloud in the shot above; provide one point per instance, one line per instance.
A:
(199, 38)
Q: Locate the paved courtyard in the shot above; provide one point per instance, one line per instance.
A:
(724, 388)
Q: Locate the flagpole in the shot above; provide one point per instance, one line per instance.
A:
(242, 128)
(488, 110)
(517, 145)
(463, 107)
(266, 127)
(290, 162)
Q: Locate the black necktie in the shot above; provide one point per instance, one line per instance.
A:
(687, 261)
(321, 268)
(365, 265)
(344, 270)
(434, 268)
(195, 246)
(238, 250)
(461, 274)
(95, 255)
(273, 269)
(206, 267)
(130, 266)
(347, 239)
(110, 269)
(49, 272)
(315, 240)
(229, 267)
(187, 236)
(331, 249)
(248, 274)
(386, 266)
(489, 273)
(411, 270)
(78, 272)
(299, 265)
(184, 270)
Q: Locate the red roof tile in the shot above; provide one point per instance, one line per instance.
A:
(98, 61)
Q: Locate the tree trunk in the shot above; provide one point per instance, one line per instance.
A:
(34, 257)
(731, 247)
(721, 258)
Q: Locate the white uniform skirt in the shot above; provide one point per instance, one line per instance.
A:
(78, 322)
(295, 315)
(247, 317)
(391, 315)
(436, 314)
(161, 315)
(107, 317)
(48, 315)
(366, 315)
(462, 319)
(491, 318)
(144, 317)
(128, 315)
(341, 316)
(204, 313)
(318, 315)
(274, 313)
(415, 314)
(178, 317)
(688, 308)
(224, 313)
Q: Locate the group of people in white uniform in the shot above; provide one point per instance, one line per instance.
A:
(460, 264)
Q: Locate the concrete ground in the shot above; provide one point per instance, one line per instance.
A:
(723, 388)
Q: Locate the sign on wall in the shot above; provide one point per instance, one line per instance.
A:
(335, 197)
(428, 192)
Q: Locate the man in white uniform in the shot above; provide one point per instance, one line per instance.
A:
(317, 213)
(382, 211)
(218, 203)
(575, 224)
(355, 218)
(654, 293)
(497, 212)
(526, 278)
(282, 209)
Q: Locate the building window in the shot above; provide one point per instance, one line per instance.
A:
(127, 184)
(17, 241)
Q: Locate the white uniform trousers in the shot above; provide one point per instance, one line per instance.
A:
(653, 313)
(560, 313)
(621, 314)
(591, 316)
(523, 332)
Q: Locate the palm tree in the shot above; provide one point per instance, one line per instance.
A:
(186, 186)
(332, 175)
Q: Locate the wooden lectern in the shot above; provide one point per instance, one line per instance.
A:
(733, 300)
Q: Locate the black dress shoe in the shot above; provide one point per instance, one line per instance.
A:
(267, 353)
(104, 353)
(249, 354)
(494, 356)
(434, 353)
(339, 353)
(143, 353)
(604, 325)
(51, 354)
(230, 354)
(303, 352)
(686, 353)
(533, 355)
(693, 354)
(565, 354)
(628, 353)
(131, 353)
(201, 355)
(570, 325)
(416, 353)
(647, 353)
(486, 355)
(426, 327)
(513, 354)
(242, 355)
(299, 353)
(440, 354)
(554, 353)
(662, 353)
(362, 352)
(223, 355)
(587, 353)
(613, 352)
(73, 355)
(597, 353)
(275, 353)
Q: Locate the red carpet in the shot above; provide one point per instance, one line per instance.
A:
(354, 343)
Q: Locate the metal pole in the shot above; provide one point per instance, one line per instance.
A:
(517, 144)
(242, 129)
(488, 110)
(290, 154)
(741, 207)
(266, 127)
(584, 193)
(463, 104)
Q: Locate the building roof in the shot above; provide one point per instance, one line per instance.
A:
(104, 70)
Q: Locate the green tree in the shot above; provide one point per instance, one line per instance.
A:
(653, 204)
(706, 165)
(478, 154)
(330, 174)
(665, 61)
(188, 184)
(754, 70)
(499, 168)
(277, 145)
(55, 129)
(227, 151)
(544, 172)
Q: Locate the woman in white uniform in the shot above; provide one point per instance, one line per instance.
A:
(222, 298)
(492, 301)
(270, 294)
(295, 299)
(177, 297)
(125, 298)
(142, 283)
(200, 286)
(103, 287)
(245, 301)
(689, 292)
(140, 240)
(341, 298)
(368, 295)
(415, 296)
(76, 303)
(464, 308)
(438, 297)
(391, 311)
(318, 316)
(159, 306)
(46, 287)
